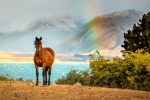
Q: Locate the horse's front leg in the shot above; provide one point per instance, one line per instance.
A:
(44, 75)
(49, 74)
(37, 74)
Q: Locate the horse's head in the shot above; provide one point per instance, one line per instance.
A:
(38, 45)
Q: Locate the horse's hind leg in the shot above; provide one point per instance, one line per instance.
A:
(37, 74)
(46, 74)
(49, 74)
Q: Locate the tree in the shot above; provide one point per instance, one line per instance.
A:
(139, 36)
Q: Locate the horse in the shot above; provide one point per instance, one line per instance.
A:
(43, 57)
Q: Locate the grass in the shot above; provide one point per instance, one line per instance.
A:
(9, 80)
(5, 78)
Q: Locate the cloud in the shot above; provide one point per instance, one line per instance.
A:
(14, 13)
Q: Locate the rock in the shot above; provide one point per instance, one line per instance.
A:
(16, 95)
(77, 84)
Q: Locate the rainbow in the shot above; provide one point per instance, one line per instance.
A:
(97, 38)
(98, 28)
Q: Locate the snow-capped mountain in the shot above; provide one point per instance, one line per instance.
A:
(68, 35)
(64, 23)
(54, 31)
(103, 32)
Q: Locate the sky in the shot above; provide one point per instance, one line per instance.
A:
(20, 16)
(16, 13)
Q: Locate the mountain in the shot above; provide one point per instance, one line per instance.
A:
(62, 57)
(68, 35)
(60, 22)
(83, 57)
(86, 57)
(103, 32)
(54, 31)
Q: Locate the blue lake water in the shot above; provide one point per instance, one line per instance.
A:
(27, 70)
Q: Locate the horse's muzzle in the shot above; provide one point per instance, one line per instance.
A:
(37, 52)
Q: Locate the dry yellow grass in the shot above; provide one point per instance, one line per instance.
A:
(27, 91)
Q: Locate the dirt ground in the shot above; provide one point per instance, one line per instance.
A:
(28, 91)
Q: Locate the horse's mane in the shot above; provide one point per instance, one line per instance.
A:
(35, 43)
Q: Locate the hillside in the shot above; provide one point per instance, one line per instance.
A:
(26, 91)
(103, 32)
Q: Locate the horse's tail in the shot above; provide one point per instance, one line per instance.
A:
(51, 51)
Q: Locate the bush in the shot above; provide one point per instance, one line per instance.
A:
(71, 78)
(3, 78)
(75, 76)
(20, 79)
(132, 72)
(108, 73)
(138, 72)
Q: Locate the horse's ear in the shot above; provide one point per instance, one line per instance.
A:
(40, 38)
(36, 38)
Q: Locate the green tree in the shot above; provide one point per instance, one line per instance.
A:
(138, 70)
(139, 36)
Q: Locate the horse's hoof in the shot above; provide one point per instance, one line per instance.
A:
(44, 84)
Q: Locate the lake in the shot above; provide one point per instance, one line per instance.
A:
(27, 70)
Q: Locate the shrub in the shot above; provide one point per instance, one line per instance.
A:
(20, 79)
(132, 72)
(5, 78)
(75, 76)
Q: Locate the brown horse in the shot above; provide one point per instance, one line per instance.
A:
(43, 57)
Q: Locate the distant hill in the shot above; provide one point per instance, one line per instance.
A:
(84, 57)
(103, 32)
